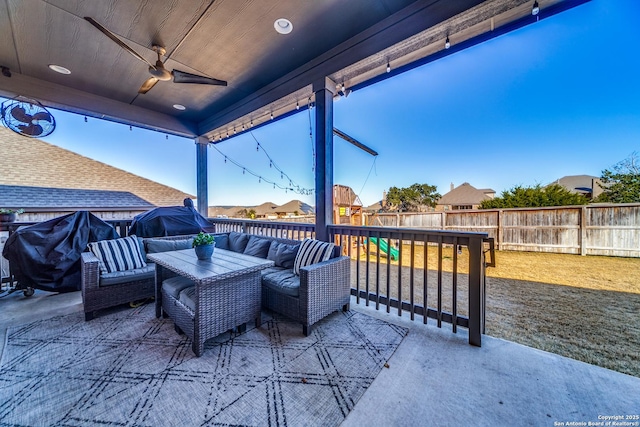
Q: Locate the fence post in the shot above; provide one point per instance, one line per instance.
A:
(583, 231)
(476, 290)
(500, 230)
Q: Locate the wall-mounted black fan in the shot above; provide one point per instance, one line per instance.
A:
(28, 118)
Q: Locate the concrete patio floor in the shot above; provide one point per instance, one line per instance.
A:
(436, 378)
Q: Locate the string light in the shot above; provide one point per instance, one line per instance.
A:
(243, 127)
(251, 124)
(297, 105)
(447, 44)
(85, 119)
(166, 137)
(272, 116)
(292, 186)
(388, 67)
(130, 128)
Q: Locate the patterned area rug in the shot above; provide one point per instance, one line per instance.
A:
(130, 369)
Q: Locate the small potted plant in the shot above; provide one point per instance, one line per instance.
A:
(203, 244)
(9, 215)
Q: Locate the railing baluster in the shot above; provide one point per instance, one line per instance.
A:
(411, 271)
(454, 309)
(425, 281)
(389, 274)
(358, 268)
(399, 275)
(368, 251)
(439, 281)
(378, 273)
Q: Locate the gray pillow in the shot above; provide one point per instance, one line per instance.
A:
(238, 241)
(143, 251)
(222, 241)
(283, 254)
(159, 245)
(257, 246)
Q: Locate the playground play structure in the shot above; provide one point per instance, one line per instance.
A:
(384, 247)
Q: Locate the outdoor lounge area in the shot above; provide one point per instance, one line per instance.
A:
(256, 333)
(433, 377)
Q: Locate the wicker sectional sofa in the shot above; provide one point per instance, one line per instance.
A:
(318, 289)
(100, 291)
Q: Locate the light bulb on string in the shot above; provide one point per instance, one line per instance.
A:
(130, 128)
(297, 105)
(270, 164)
(388, 67)
(85, 119)
(243, 127)
(271, 116)
(166, 137)
(242, 171)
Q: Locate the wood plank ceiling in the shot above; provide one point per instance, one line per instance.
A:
(234, 40)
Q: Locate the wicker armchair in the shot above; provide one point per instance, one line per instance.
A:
(97, 295)
(325, 287)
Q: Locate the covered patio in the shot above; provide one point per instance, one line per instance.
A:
(435, 377)
(334, 48)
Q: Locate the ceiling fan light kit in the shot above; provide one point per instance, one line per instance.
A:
(158, 71)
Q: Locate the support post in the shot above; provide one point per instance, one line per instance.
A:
(476, 291)
(324, 90)
(202, 176)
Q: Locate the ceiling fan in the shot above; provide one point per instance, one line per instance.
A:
(158, 71)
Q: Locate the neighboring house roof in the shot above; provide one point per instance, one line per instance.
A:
(267, 208)
(376, 207)
(293, 206)
(466, 194)
(584, 184)
(16, 197)
(34, 163)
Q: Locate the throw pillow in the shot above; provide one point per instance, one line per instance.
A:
(118, 254)
(162, 245)
(222, 241)
(283, 254)
(238, 241)
(311, 252)
(257, 246)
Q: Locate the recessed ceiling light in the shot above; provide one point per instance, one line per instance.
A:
(179, 107)
(283, 26)
(59, 69)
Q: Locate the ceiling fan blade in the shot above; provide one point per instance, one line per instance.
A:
(147, 85)
(31, 129)
(42, 116)
(118, 41)
(183, 77)
(20, 114)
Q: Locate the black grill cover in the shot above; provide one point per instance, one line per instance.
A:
(47, 255)
(170, 221)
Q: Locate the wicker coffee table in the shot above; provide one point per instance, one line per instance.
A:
(227, 292)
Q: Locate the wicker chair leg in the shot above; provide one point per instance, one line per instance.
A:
(306, 330)
(345, 307)
(89, 315)
(242, 328)
(178, 330)
(258, 321)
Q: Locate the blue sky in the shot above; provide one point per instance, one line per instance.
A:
(559, 97)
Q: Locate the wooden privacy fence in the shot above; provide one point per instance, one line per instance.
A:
(598, 229)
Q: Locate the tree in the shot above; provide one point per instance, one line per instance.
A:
(412, 198)
(622, 184)
(533, 197)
